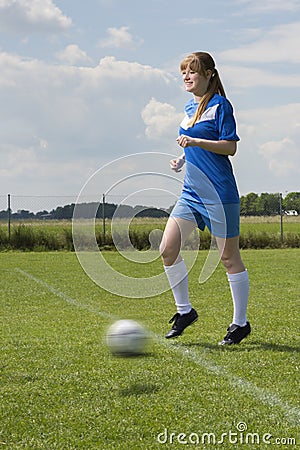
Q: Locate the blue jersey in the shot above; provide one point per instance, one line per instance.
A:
(209, 177)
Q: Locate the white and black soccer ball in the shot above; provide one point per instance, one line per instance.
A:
(126, 338)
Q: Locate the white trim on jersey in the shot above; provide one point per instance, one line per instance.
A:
(209, 114)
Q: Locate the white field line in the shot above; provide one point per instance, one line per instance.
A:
(292, 413)
(65, 297)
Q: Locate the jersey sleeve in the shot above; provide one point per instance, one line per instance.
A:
(225, 122)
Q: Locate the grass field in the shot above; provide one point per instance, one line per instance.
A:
(61, 388)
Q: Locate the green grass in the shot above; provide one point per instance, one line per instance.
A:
(61, 389)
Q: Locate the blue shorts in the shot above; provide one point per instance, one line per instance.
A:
(222, 220)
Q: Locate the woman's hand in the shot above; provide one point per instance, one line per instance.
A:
(185, 141)
(177, 163)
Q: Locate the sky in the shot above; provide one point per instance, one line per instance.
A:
(85, 86)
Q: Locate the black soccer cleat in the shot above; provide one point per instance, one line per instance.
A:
(181, 321)
(236, 334)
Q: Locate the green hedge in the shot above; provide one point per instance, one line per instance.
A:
(42, 238)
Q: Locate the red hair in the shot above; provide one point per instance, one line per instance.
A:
(200, 62)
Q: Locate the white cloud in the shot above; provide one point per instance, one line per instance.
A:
(269, 156)
(278, 44)
(277, 122)
(283, 157)
(27, 16)
(72, 55)
(25, 168)
(267, 6)
(119, 38)
(199, 21)
(58, 115)
(110, 69)
(249, 77)
(161, 120)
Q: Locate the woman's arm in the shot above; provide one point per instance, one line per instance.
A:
(220, 147)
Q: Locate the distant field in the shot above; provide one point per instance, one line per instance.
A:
(256, 232)
(289, 221)
(271, 224)
(61, 389)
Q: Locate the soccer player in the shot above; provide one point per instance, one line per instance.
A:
(209, 196)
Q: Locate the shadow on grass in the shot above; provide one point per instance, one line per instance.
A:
(137, 389)
(276, 347)
(133, 356)
(244, 346)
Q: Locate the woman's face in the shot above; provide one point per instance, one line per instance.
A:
(195, 82)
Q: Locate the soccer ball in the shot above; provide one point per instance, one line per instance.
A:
(126, 338)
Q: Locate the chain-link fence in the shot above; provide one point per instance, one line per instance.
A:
(268, 218)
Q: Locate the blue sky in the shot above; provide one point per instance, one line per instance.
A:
(84, 83)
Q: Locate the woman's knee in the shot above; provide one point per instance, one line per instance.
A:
(227, 261)
(166, 249)
(230, 254)
(169, 252)
(232, 262)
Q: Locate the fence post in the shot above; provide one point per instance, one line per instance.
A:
(103, 220)
(281, 217)
(8, 216)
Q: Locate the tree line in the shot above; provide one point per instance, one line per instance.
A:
(87, 211)
(252, 204)
(267, 204)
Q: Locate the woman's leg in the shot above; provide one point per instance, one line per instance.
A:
(230, 254)
(175, 234)
(238, 281)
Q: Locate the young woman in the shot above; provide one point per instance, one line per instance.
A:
(209, 196)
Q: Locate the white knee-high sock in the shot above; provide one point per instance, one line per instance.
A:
(178, 279)
(239, 286)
